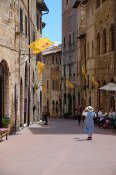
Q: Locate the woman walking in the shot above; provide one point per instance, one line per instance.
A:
(89, 114)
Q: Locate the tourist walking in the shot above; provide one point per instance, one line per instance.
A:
(79, 114)
(46, 114)
(89, 114)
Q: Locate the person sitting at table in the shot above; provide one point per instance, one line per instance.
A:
(112, 113)
(101, 117)
(110, 118)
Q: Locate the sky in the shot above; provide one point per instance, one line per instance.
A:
(53, 28)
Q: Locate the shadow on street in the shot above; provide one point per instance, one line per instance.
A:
(65, 126)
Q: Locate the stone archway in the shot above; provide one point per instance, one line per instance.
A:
(60, 107)
(4, 90)
(26, 94)
(56, 109)
(74, 102)
(41, 101)
(33, 98)
(70, 104)
(53, 108)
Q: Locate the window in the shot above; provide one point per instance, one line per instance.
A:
(77, 68)
(56, 60)
(40, 25)
(103, 1)
(52, 59)
(69, 39)
(84, 50)
(92, 48)
(53, 105)
(88, 49)
(104, 41)
(64, 42)
(73, 38)
(60, 61)
(98, 44)
(70, 70)
(88, 81)
(33, 39)
(64, 70)
(21, 20)
(37, 21)
(97, 3)
(25, 26)
(64, 98)
(112, 40)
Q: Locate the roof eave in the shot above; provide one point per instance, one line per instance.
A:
(42, 5)
(76, 4)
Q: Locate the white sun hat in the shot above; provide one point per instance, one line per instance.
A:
(89, 108)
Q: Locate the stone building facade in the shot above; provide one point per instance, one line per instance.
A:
(70, 63)
(81, 51)
(51, 80)
(18, 74)
(105, 49)
(99, 53)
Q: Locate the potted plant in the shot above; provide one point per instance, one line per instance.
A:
(5, 122)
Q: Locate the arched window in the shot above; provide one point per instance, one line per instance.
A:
(52, 59)
(92, 48)
(112, 38)
(56, 106)
(112, 80)
(66, 2)
(103, 1)
(104, 41)
(53, 105)
(26, 74)
(98, 44)
(64, 98)
(88, 50)
(104, 82)
(64, 42)
(97, 3)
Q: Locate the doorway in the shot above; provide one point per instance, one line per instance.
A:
(4, 90)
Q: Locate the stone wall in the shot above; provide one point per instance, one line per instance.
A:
(52, 82)
(14, 51)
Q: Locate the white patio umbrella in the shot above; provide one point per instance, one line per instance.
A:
(109, 87)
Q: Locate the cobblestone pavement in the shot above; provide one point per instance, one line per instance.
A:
(59, 148)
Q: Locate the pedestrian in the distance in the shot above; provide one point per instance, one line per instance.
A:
(89, 114)
(79, 114)
(46, 114)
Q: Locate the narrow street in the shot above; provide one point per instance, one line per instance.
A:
(59, 148)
